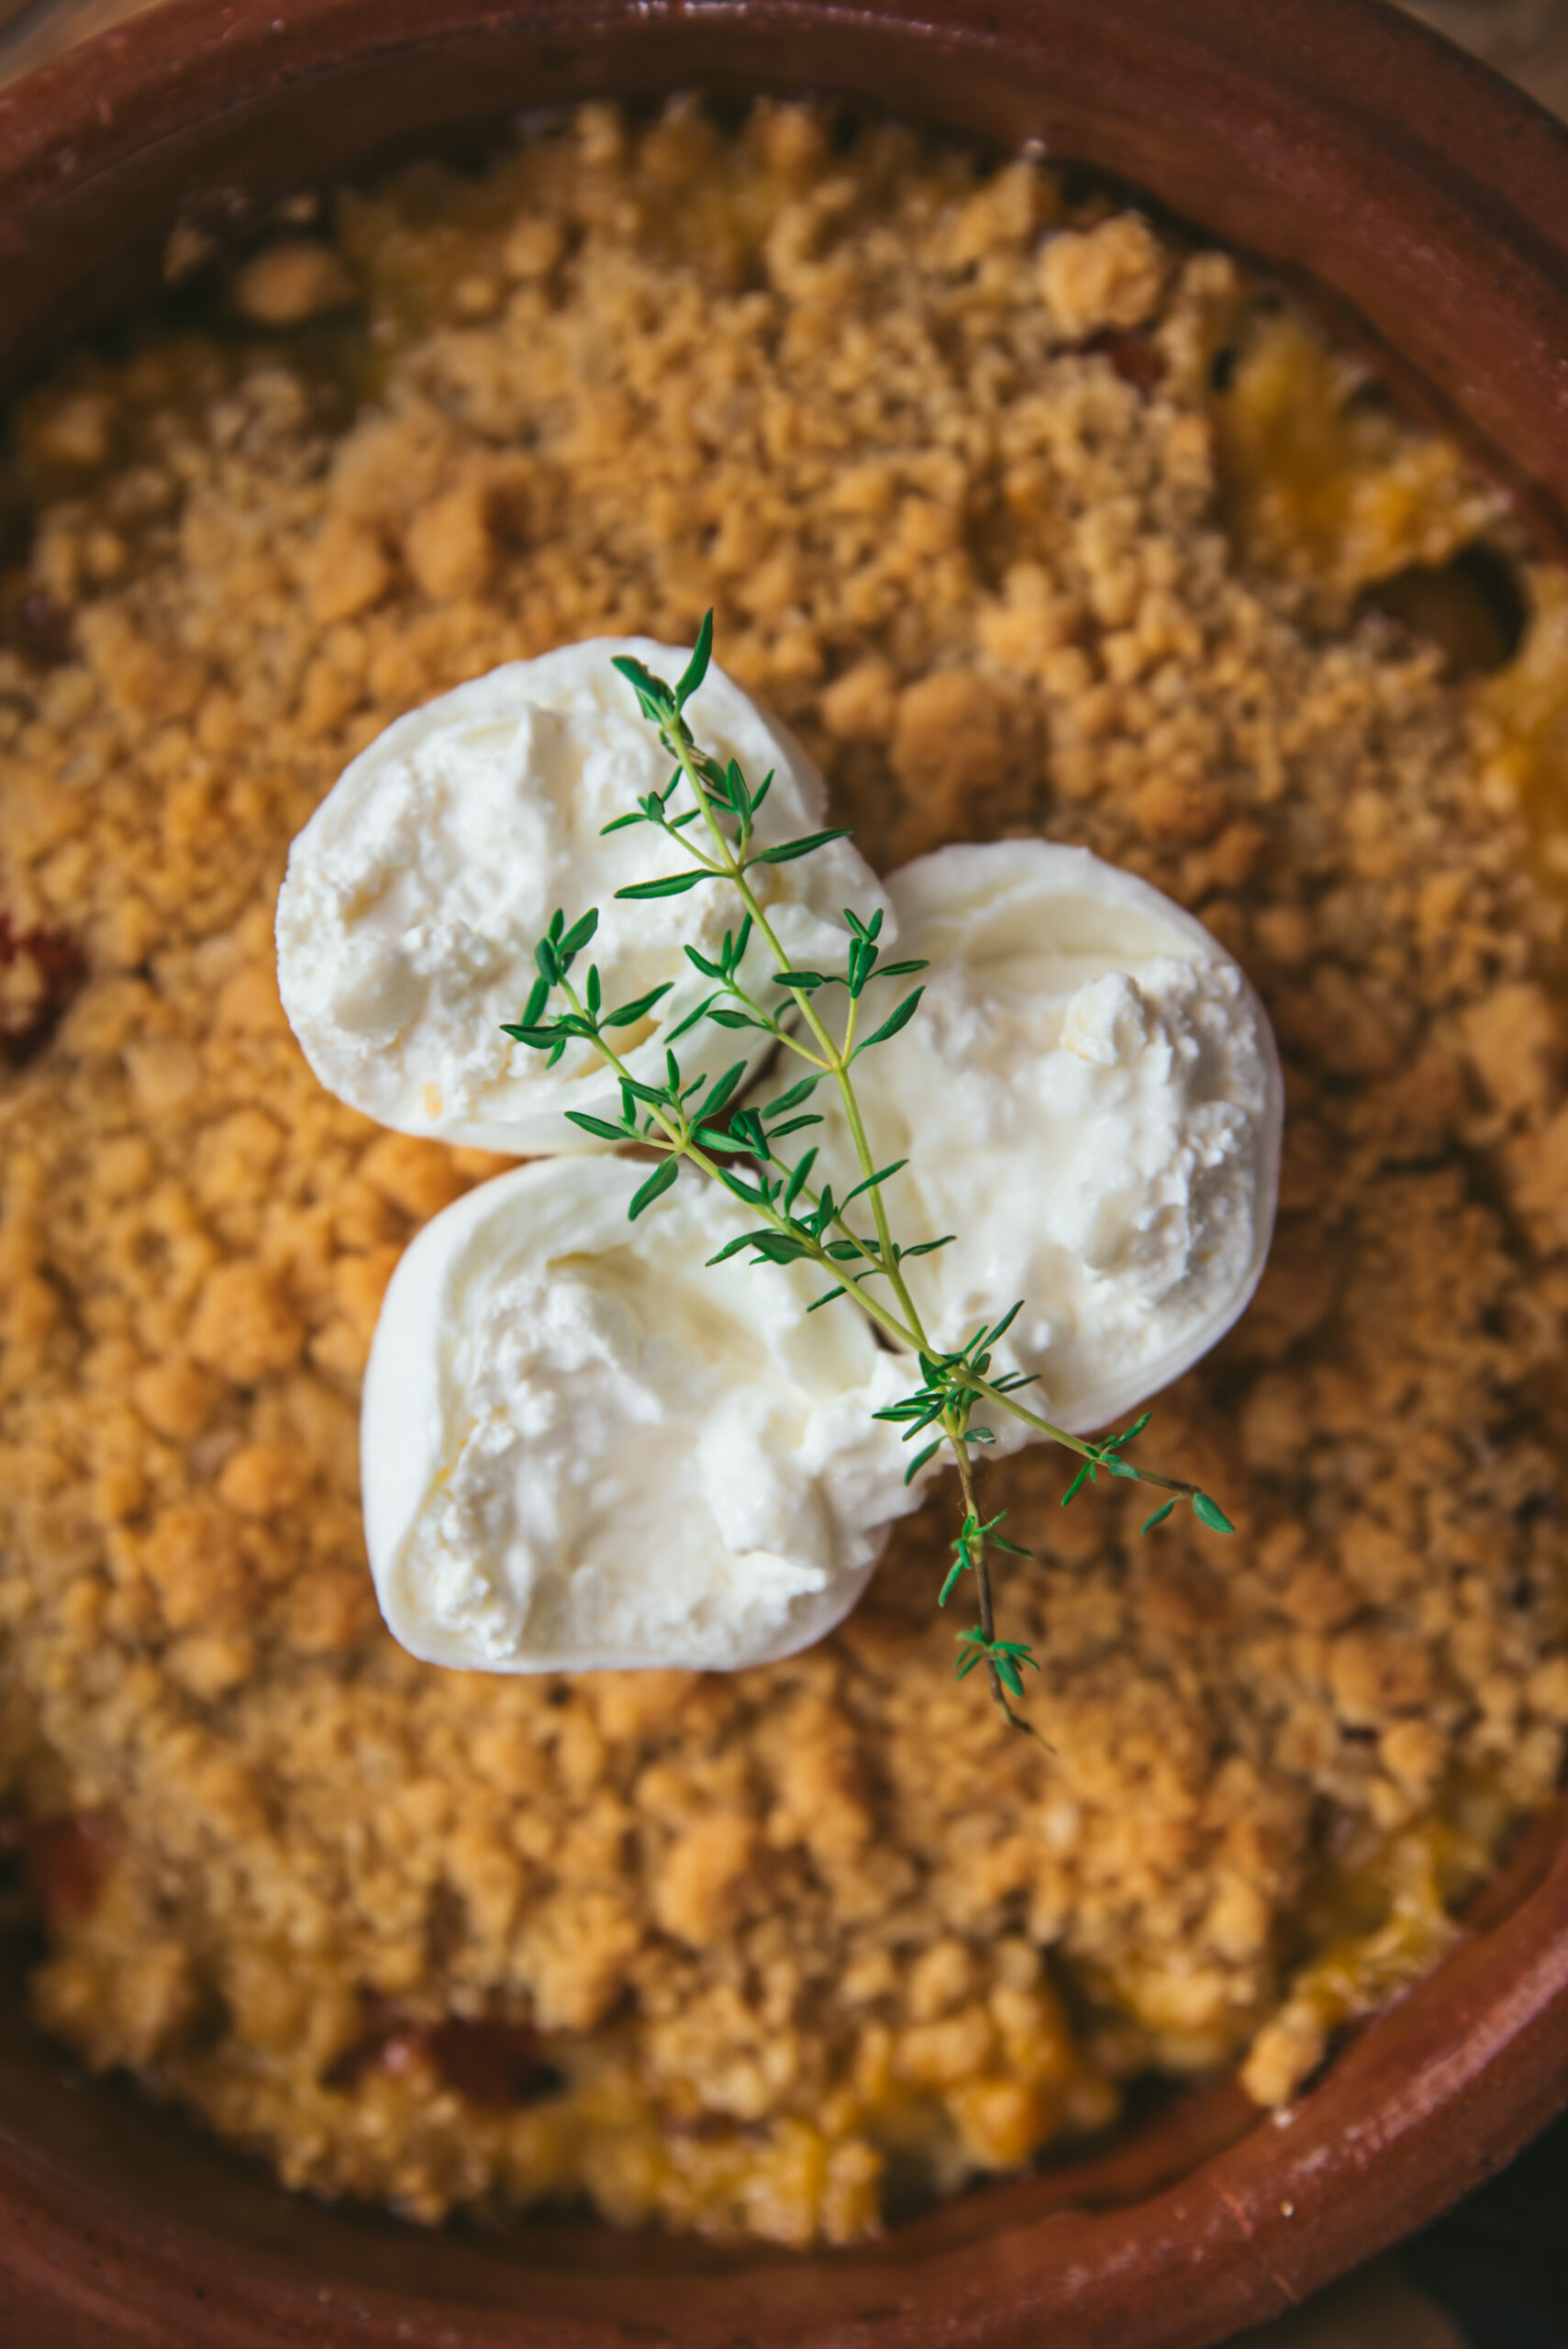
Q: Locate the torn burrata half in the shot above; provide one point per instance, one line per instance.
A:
(1090, 1099)
(417, 893)
(584, 1448)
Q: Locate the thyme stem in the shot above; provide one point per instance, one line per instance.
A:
(682, 1145)
(795, 1215)
(836, 1058)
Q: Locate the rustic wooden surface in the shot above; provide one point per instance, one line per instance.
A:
(1525, 39)
(1378, 2308)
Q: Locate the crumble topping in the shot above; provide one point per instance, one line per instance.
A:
(1028, 517)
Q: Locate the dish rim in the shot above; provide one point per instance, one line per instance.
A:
(1350, 142)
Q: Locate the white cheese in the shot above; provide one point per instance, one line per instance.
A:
(416, 892)
(582, 1449)
(1091, 1100)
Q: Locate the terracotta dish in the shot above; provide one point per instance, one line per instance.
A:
(1426, 203)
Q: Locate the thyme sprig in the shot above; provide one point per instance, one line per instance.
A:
(697, 1121)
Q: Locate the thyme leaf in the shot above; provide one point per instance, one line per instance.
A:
(801, 1223)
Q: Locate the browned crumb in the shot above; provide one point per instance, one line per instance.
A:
(736, 1941)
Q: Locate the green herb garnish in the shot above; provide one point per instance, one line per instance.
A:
(690, 1122)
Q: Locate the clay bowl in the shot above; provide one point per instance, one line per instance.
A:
(1427, 203)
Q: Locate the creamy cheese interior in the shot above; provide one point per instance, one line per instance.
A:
(582, 1449)
(582, 1446)
(1091, 1100)
(416, 892)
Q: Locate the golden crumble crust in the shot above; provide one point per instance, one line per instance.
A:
(948, 457)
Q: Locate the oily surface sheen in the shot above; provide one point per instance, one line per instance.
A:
(1025, 521)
